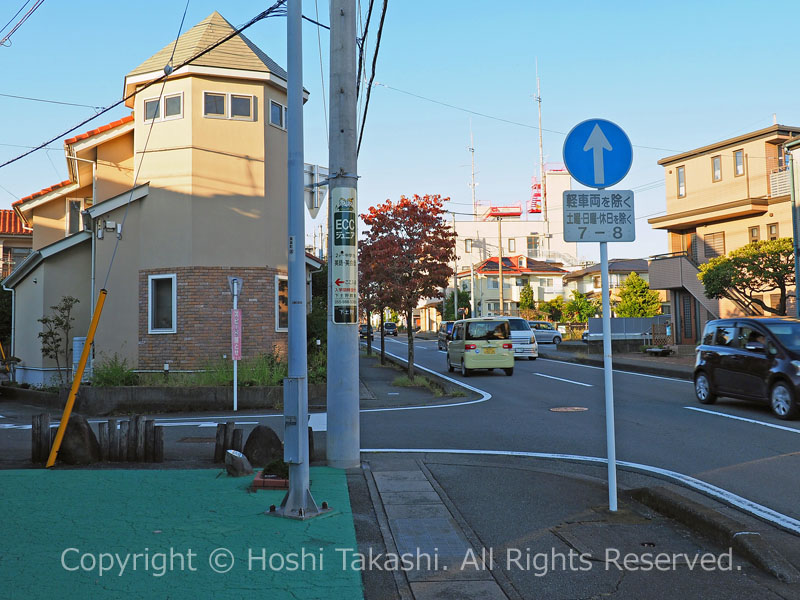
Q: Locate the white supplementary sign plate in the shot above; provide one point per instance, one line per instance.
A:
(599, 216)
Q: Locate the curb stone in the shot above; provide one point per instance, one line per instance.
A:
(721, 528)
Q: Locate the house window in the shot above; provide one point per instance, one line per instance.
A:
(277, 114)
(152, 109)
(533, 245)
(467, 245)
(596, 281)
(716, 168)
(242, 107)
(546, 281)
(772, 231)
(281, 303)
(162, 304)
(173, 106)
(522, 262)
(464, 286)
(738, 163)
(492, 283)
(714, 244)
(512, 245)
(755, 234)
(74, 219)
(681, 182)
(213, 104)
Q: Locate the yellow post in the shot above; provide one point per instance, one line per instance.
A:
(5, 362)
(76, 381)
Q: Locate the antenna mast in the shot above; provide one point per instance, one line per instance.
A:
(538, 99)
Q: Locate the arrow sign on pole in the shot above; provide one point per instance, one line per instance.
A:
(597, 153)
(597, 142)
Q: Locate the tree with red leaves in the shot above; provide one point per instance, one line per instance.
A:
(414, 250)
(374, 293)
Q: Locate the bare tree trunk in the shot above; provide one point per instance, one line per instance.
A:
(383, 345)
(410, 332)
(369, 333)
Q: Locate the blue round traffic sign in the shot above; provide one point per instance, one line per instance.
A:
(597, 153)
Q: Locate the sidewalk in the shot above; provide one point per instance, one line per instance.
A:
(680, 367)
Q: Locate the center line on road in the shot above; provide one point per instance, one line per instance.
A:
(719, 414)
(566, 380)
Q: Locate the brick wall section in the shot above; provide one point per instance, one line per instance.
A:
(204, 305)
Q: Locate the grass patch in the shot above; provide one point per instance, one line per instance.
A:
(424, 382)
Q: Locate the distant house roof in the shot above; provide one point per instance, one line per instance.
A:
(11, 224)
(42, 192)
(92, 132)
(35, 258)
(511, 266)
(237, 53)
(615, 265)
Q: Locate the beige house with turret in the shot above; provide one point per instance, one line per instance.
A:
(161, 207)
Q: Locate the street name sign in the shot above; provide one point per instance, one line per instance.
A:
(598, 153)
(599, 216)
(344, 261)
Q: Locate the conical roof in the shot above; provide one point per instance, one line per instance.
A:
(237, 53)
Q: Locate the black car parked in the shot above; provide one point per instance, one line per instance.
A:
(442, 336)
(751, 359)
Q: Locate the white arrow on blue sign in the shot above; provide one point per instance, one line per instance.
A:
(598, 153)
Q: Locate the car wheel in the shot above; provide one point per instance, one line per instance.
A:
(556, 340)
(531, 358)
(702, 389)
(450, 368)
(509, 371)
(781, 401)
(464, 370)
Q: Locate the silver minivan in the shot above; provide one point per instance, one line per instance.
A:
(545, 332)
(523, 339)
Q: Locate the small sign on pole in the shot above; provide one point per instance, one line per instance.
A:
(344, 262)
(598, 154)
(236, 334)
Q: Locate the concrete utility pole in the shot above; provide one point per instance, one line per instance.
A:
(500, 262)
(472, 289)
(455, 276)
(542, 187)
(343, 440)
(298, 502)
(473, 184)
(795, 226)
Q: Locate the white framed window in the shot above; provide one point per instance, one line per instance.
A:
(492, 283)
(167, 108)
(512, 245)
(681, 176)
(162, 303)
(467, 245)
(173, 106)
(241, 107)
(74, 220)
(738, 162)
(224, 105)
(716, 168)
(277, 114)
(152, 110)
(522, 262)
(214, 105)
(281, 303)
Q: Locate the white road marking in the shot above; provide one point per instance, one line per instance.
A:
(566, 380)
(753, 508)
(719, 414)
(564, 362)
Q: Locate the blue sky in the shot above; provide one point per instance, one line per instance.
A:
(674, 77)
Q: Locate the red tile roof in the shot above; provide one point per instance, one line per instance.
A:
(10, 224)
(92, 132)
(42, 192)
(511, 266)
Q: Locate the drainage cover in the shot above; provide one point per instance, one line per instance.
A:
(568, 409)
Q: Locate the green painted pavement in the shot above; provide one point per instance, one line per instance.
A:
(59, 527)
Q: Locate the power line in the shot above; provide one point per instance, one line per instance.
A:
(272, 11)
(24, 18)
(372, 75)
(502, 120)
(322, 75)
(361, 43)
(15, 16)
(317, 23)
(51, 101)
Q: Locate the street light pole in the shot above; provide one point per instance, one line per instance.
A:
(795, 227)
(500, 263)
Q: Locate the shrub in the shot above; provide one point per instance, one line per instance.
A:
(113, 372)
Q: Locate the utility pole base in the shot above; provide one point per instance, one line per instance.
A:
(298, 506)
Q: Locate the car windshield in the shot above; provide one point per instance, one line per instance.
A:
(787, 333)
(519, 325)
(488, 330)
(542, 325)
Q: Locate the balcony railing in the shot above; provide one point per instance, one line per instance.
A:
(779, 182)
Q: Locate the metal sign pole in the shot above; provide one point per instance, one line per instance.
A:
(235, 358)
(609, 380)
